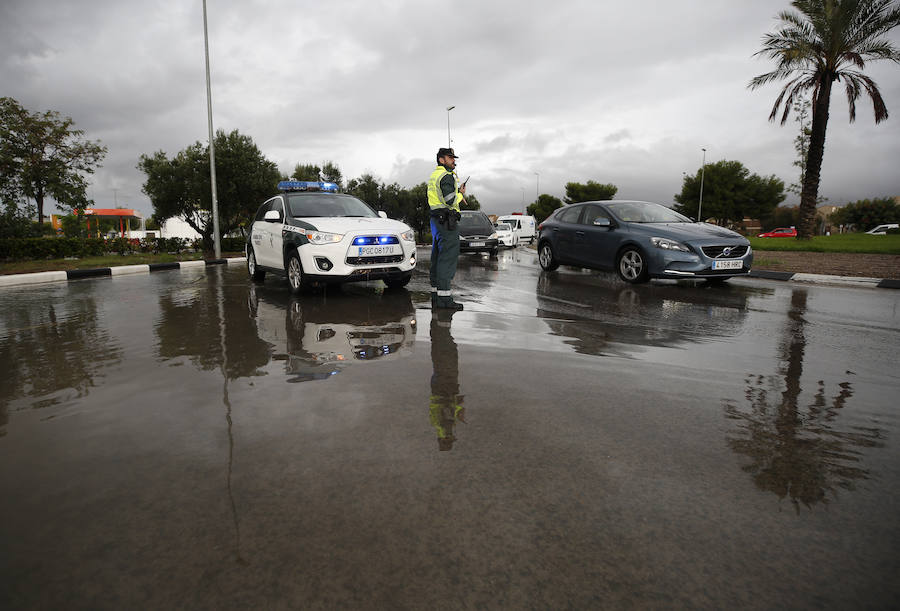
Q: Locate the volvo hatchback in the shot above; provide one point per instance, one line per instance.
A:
(640, 240)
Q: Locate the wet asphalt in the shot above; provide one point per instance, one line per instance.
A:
(188, 439)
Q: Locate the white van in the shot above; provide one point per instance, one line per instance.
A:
(882, 229)
(524, 226)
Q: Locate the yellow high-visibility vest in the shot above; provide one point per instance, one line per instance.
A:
(436, 197)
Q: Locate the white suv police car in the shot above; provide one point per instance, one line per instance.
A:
(314, 235)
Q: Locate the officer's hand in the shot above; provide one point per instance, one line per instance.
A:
(462, 189)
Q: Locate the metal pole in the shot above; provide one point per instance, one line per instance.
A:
(702, 175)
(537, 187)
(449, 108)
(523, 201)
(212, 148)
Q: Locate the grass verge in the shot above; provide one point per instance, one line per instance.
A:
(846, 243)
(52, 265)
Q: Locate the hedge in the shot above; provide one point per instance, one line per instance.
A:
(23, 249)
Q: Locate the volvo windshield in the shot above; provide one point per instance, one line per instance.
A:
(645, 212)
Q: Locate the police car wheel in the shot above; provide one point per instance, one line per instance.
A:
(295, 273)
(256, 274)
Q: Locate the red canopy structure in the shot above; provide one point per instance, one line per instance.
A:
(121, 213)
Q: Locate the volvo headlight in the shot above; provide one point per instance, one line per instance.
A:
(667, 244)
(494, 236)
(408, 236)
(323, 237)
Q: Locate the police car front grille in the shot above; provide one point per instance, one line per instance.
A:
(374, 260)
(718, 252)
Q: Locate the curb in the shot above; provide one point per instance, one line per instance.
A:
(854, 281)
(121, 270)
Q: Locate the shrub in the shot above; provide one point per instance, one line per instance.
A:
(867, 213)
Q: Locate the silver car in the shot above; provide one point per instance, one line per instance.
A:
(641, 240)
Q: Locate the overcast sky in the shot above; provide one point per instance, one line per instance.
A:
(621, 92)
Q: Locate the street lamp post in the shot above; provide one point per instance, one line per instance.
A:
(449, 108)
(212, 150)
(537, 187)
(702, 175)
(523, 201)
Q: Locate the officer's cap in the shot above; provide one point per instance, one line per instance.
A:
(446, 153)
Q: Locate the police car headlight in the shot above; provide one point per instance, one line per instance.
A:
(323, 237)
(667, 244)
(408, 236)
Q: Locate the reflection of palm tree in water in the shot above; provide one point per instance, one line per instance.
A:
(797, 453)
(445, 404)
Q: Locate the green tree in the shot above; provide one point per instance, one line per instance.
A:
(180, 187)
(368, 189)
(592, 191)
(543, 207)
(867, 213)
(332, 173)
(730, 193)
(306, 171)
(471, 203)
(821, 42)
(74, 226)
(782, 216)
(16, 225)
(328, 172)
(42, 155)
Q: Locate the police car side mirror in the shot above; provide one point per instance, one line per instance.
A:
(382, 214)
(273, 216)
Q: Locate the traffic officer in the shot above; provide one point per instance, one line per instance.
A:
(444, 197)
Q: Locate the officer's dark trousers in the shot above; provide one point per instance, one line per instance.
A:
(444, 256)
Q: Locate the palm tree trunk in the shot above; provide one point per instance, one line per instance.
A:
(809, 194)
(39, 200)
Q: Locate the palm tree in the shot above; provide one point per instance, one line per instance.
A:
(824, 41)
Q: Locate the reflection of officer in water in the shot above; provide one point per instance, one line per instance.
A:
(446, 402)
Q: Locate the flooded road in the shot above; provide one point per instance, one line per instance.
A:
(187, 439)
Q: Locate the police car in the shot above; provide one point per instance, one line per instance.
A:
(314, 235)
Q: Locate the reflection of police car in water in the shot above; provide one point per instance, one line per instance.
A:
(318, 337)
(314, 235)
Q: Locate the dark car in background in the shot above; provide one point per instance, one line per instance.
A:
(477, 233)
(640, 240)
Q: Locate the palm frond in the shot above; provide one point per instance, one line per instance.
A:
(854, 83)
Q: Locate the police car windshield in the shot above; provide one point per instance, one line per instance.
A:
(326, 204)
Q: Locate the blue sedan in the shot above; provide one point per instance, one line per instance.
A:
(640, 240)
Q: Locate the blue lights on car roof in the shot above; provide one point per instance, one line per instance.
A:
(306, 185)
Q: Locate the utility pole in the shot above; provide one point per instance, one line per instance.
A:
(702, 175)
(449, 108)
(212, 148)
